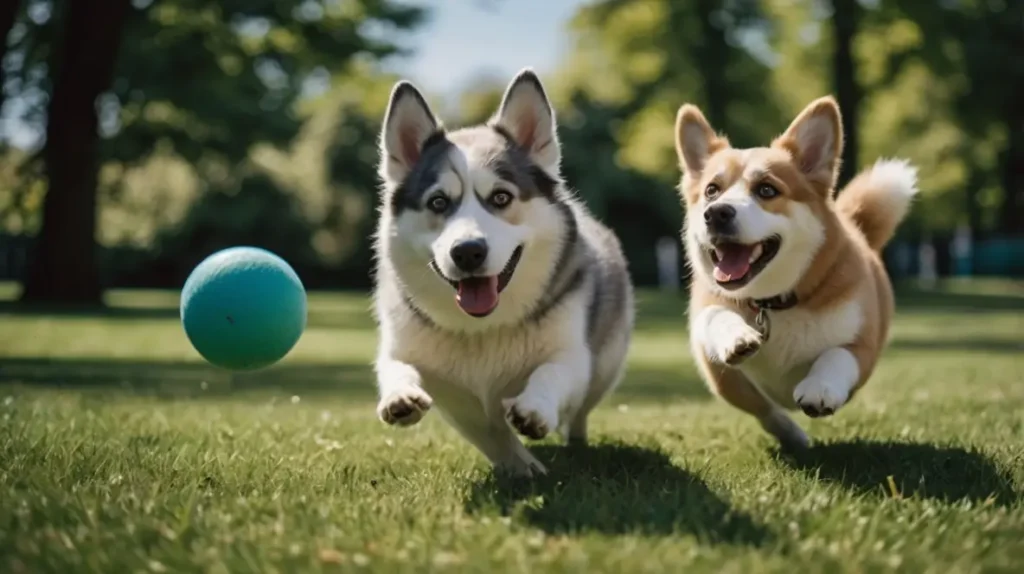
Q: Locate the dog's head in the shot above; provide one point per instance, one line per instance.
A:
(755, 218)
(473, 213)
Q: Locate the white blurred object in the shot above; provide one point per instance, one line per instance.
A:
(667, 253)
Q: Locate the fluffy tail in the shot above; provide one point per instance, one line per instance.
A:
(878, 199)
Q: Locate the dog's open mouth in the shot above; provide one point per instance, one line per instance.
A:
(478, 296)
(736, 264)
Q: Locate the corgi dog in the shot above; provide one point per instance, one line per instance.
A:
(790, 301)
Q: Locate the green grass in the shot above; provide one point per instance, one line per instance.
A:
(120, 451)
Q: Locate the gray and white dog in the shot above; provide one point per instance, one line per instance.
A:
(498, 296)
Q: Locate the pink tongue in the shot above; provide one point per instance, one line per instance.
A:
(734, 262)
(478, 295)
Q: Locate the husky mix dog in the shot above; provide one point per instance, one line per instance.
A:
(790, 302)
(499, 298)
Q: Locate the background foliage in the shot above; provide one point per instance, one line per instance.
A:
(256, 121)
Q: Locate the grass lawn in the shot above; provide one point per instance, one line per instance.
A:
(120, 451)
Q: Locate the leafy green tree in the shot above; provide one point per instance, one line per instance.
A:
(478, 104)
(632, 64)
(975, 47)
(8, 13)
(202, 80)
(846, 20)
(649, 56)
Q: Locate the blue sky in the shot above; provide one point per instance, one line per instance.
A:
(468, 38)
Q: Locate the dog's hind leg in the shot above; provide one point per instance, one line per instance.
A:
(487, 430)
(503, 448)
(575, 432)
(610, 369)
(733, 386)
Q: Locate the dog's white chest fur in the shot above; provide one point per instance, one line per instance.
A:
(487, 365)
(798, 337)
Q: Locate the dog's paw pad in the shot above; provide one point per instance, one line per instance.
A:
(529, 424)
(527, 421)
(816, 411)
(817, 399)
(742, 348)
(404, 408)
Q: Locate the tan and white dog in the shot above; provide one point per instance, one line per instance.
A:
(790, 302)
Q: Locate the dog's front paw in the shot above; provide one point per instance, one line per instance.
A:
(818, 398)
(405, 407)
(743, 343)
(533, 419)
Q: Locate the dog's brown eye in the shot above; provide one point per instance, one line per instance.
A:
(501, 199)
(711, 191)
(438, 204)
(766, 191)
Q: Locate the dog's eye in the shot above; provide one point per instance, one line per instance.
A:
(438, 204)
(501, 199)
(711, 191)
(766, 191)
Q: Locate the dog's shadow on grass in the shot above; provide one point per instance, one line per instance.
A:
(945, 473)
(615, 489)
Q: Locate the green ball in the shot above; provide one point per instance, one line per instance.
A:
(243, 308)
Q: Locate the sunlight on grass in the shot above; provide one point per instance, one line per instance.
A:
(123, 452)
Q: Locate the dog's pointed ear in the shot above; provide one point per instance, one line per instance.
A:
(526, 115)
(815, 140)
(695, 140)
(408, 124)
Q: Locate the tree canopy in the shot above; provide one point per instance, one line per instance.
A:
(168, 129)
(200, 81)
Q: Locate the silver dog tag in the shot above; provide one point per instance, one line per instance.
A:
(764, 324)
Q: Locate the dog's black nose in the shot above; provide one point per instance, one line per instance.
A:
(469, 255)
(720, 217)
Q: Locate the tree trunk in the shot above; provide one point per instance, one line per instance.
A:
(63, 267)
(712, 57)
(1011, 210)
(845, 21)
(8, 13)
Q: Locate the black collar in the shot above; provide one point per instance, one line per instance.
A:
(777, 303)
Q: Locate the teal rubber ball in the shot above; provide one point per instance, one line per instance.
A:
(243, 308)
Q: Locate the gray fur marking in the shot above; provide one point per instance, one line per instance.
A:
(423, 175)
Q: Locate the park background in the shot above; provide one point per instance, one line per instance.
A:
(140, 136)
